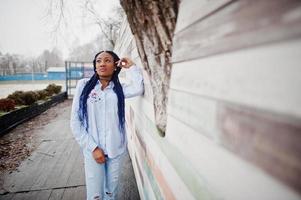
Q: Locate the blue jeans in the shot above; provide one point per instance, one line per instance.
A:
(102, 179)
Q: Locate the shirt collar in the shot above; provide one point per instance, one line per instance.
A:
(110, 86)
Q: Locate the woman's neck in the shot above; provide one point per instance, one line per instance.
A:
(104, 82)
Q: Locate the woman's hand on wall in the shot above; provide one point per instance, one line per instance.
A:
(99, 155)
(125, 62)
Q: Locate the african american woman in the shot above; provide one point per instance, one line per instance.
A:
(98, 121)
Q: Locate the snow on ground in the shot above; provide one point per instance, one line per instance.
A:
(8, 87)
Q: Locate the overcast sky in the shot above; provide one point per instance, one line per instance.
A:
(25, 30)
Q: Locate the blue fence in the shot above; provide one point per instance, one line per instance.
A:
(76, 73)
(73, 72)
(21, 77)
(56, 76)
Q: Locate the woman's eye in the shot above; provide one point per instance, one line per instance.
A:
(106, 61)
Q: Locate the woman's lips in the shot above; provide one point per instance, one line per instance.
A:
(102, 69)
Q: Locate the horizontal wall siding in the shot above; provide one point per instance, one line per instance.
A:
(267, 77)
(234, 109)
(218, 173)
(158, 151)
(202, 118)
(269, 141)
(192, 11)
(237, 25)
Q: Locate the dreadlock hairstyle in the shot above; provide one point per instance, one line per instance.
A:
(82, 114)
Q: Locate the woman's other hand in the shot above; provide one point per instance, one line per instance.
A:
(125, 62)
(99, 155)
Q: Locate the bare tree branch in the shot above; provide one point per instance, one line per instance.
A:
(57, 13)
(108, 26)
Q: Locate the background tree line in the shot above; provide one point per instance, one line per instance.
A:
(11, 64)
(105, 38)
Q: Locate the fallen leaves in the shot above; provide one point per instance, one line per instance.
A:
(18, 144)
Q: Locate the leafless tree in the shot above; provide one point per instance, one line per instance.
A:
(55, 17)
(59, 16)
(110, 26)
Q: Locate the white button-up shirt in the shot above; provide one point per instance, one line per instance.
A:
(102, 110)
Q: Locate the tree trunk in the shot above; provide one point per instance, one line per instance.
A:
(152, 24)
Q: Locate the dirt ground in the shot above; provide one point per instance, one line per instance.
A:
(17, 145)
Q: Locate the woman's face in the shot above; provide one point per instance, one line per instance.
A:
(105, 65)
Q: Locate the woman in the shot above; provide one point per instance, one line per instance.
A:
(97, 121)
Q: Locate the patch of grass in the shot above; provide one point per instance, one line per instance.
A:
(2, 113)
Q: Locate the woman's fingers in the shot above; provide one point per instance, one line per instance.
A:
(125, 62)
(101, 160)
(99, 155)
(118, 63)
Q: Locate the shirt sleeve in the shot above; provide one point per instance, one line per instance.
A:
(136, 87)
(82, 137)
